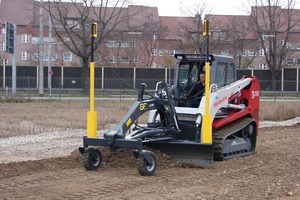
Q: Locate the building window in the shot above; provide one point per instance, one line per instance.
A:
(24, 55)
(135, 58)
(46, 57)
(35, 40)
(125, 59)
(112, 43)
(3, 46)
(3, 30)
(112, 59)
(264, 37)
(218, 35)
(262, 52)
(35, 57)
(172, 52)
(251, 52)
(154, 37)
(241, 52)
(25, 38)
(67, 56)
(48, 40)
(154, 65)
(154, 52)
(72, 24)
(67, 40)
(262, 66)
(244, 52)
(124, 44)
(224, 52)
(163, 52)
(4, 62)
(290, 61)
(252, 67)
(135, 43)
(290, 45)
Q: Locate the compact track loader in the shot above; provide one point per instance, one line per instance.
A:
(180, 131)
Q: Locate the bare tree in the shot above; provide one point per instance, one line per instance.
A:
(274, 22)
(72, 22)
(121, 50)
(135, 44)
(191, 29)
(241, 39)
(152, 33)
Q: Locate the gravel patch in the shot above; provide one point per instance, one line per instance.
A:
(290, 122)
(62, 143)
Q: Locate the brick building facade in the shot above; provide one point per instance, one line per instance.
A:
(144, 39)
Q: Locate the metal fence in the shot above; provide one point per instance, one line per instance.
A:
(130, 78)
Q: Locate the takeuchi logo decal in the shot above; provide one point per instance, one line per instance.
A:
(255, 94)
(220, 101)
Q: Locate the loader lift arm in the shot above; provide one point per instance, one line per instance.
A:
(117, 140)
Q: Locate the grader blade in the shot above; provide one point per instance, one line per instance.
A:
(186, 152)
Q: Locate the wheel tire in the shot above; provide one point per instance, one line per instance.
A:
(89, 162)
(145, 168)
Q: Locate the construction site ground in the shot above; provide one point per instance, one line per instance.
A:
(39, 167)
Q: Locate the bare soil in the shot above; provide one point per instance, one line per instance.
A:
(40, 160)
(273, 172)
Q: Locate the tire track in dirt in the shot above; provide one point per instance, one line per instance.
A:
(271, 173)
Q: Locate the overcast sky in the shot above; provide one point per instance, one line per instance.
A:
(174, 7)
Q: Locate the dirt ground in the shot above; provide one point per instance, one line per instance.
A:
(273, 172)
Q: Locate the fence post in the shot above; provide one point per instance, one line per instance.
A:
(297, 79)
(166, 75)
(102, 78)
(28, 86)
(134, 77)
(37, 76)
(3, 75)
(282, 79)
(62, 77)
(59, 84)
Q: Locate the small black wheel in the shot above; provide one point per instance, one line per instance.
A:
(144, 167)
(92, 159)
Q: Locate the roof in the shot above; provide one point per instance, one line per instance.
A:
(140, 16)
(23, 9)
(176, 25)
(28, 11)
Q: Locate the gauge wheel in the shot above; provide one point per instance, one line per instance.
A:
(144, 167)
(92, 159)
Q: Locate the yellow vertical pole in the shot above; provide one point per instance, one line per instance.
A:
(207, 118)
(92, 114)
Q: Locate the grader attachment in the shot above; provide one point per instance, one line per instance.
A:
(163, 134)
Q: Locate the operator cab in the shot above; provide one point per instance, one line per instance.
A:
(189, 66)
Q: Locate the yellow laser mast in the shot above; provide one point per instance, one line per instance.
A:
(207, 118)
(92, 114)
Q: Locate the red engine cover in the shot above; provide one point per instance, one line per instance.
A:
(248, 96)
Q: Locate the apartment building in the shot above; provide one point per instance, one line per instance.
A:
(266, 33)
(143, 38)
